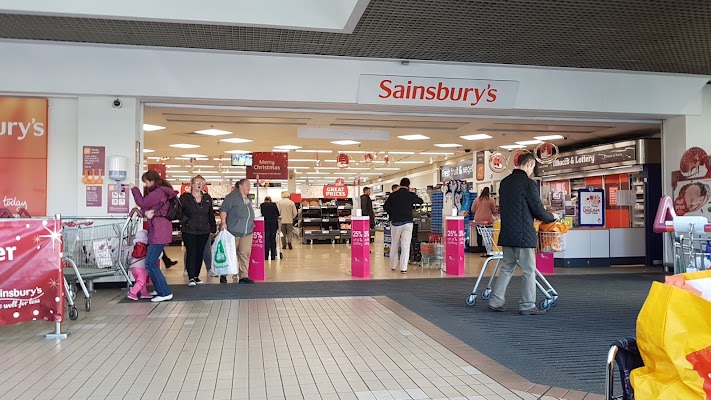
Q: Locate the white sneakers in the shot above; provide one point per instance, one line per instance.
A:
(153, 293)
(159, 299)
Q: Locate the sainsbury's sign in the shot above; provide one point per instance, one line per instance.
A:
(436, 92)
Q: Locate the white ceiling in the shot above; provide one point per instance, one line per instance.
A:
(269, 129)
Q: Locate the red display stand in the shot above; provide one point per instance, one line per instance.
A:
(454, 245)
(360, 247)
(256, 261)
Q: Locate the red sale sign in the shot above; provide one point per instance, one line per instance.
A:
(335, 192)
(256, 259)
(268, 165)
(31, 277)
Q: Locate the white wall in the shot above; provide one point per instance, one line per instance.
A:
(63, 152)
(181, 75)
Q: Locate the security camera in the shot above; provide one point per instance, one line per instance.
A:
(467, 150)
(117, 103)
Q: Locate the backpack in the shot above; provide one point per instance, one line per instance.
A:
(139, 250)
(175, 209)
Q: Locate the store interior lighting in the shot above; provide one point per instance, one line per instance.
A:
(213, 132)
(184, 146)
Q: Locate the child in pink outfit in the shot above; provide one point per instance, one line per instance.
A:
(137, 261)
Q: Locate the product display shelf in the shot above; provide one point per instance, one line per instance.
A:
(637, 214)
(325, 220)
(436, 208)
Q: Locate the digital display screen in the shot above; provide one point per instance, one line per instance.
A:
(242, 160)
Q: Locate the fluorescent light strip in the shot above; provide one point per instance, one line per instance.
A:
(302, 160)
(434, 153)
(184, 146)
(148, 151)
(413, 137)
(448, 145)
(402, 152)
(345, 142)
(152, 128)
(409, 162)
(528, 142)
(313, 151)
(549, 137)
(478, 136)
(236, 140)
(189, 156)
(213, 132)
(287, 147)
(513, 146)
(237, 151)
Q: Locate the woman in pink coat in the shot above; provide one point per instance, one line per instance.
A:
(483, 209)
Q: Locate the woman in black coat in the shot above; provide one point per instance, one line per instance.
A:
(196, 223)
(270, 212)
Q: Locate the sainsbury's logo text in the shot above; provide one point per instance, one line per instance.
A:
(440, 92)
(20, 130)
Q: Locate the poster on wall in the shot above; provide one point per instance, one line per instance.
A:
(269, 165)
(23, 154)
(691, 184)
(591, 203)
(93, 165)
(94, 196)
(159, 168)
(117, 202)
(480, 166)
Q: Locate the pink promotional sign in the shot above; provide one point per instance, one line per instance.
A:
(454, 246)
(360, 247)
(256, 260)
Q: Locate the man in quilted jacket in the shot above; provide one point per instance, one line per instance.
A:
(519, 204)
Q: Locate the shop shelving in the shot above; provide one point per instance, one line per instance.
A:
(326, 220)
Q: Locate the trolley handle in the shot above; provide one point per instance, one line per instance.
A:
(23, 213)
(135, 211)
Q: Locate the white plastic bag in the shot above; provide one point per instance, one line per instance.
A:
(224, 254)
(102, 253)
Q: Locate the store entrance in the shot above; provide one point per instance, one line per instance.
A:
(330, 158)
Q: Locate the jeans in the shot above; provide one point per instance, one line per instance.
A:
(194, 252)
(526, 260)
(401, 239)
(159, 282)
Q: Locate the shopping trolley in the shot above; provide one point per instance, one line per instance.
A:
(547, 242)
(94, 248)
(625, 355)
(432, 253)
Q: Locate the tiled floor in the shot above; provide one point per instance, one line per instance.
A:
(306, 348)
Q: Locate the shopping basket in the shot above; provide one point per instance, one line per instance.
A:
(94, 248)
(489, 237)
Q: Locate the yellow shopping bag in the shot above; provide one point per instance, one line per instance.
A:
(674, 338)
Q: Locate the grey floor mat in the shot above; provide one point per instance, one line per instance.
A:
(566, 347)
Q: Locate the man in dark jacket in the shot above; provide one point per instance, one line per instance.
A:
(270, 212)
(519, 204)
(399, 208)
(366, 206)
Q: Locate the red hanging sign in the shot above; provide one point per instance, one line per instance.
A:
(269, 165)
(31, 277)
(335, 192)
(343, 161)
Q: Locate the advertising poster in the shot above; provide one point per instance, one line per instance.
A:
(31, 276)
(94, 196)
(591, 204)
(480, 166)
(454, 245)
(23, 154)
(269, 166)
(360, 247)
(256, 259)
(159, 168)
(117, 202)
(692, 183)
(93, 165)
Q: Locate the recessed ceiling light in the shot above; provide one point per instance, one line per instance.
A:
(447, 145)
(237, 151)
(434, 153)
(529, 142)
(317, 173)
(236, 140)
(182, 158)
(401, 152)
(299, 167)
(345, 142)
(193, 155)
(280, 150)
(172, 166)
(221, 159)
(213, 132)
(478, 136)
(178, 172)
(409, 162)
(148, 151)
(302, 159)
(184, 146)
(313, 151)
(549, 137)
(513, 147)
(389, 169)
(154, 158)
(371, 173)
(414, 137)
(151, 128)
(287, 147)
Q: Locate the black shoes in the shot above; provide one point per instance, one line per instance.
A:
(246, 281)
(223, 279)
(290, 248)
(170, 263)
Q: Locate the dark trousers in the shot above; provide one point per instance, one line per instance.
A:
(270, 243)
(194, 249)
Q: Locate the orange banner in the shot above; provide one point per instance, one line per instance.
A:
(23, 154)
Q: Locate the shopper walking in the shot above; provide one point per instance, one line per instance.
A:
(270, 212)
(483, 209)
(366, 206)
(237, 216)
(399, 207)
(519, 204)
(196, 224)
(288, 212)
(154, 203)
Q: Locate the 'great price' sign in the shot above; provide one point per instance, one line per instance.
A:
(436, 92)
(335, 192)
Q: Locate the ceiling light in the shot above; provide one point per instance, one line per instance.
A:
(181, 158)
(409, 162)
(280, 150)
(529, 142)
(317, 173)
(448, 145)
(434, 153)
(362, 169)
(401, 152)
(236, 140)
(299, 167)
(513, 147)
(221, 159)
(182, 176)
(184, 146)
(154, 158)
(287, 147)
(478, 136)
(345, 142)
(213, 132)
(172, 166)
(302, 159)
(151, 128)
(148, 151)
(237, 151)
(549, 137)
(179, 172)
(413, 137)
(371, 173)
(189, 156)
(389, 169)
(313, 151)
